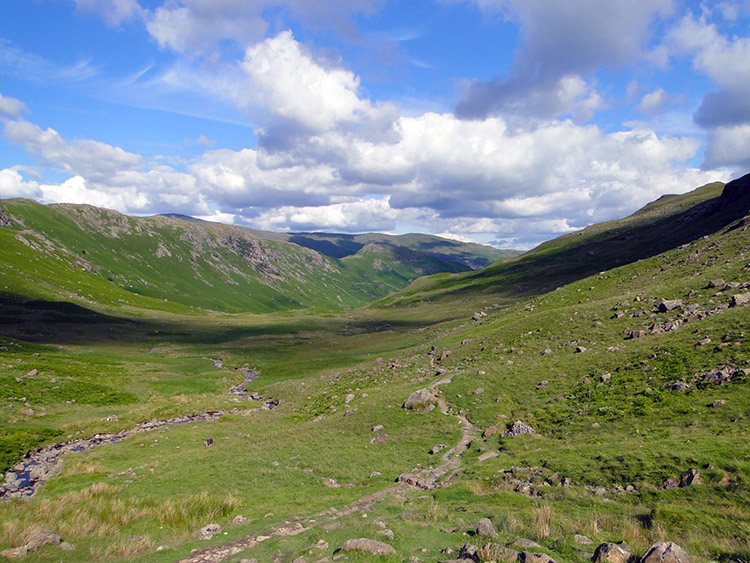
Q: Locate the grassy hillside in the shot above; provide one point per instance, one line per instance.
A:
(659, 226)
(625, 394)
(99, 256)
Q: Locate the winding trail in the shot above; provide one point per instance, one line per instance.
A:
(426, 479)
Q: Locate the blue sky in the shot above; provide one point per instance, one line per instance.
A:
(502, 121)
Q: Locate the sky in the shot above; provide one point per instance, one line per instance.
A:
(507, 122)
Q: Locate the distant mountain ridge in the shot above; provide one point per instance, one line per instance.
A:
(473, 256)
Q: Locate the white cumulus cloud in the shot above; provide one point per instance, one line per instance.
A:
(11, 107)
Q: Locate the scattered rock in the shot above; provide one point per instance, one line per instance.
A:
(526, 557)
(388, 533)
(112, 418)
(478, 316)
(238, 520)
(583, 540)
(719, 376)
(487, 455)
(546, 352)
(469, 552)
(690, 477)
(377, 427)
(497, 552)
(717, 403)
(524, 543)
(207, 532)
(478, 391)
(419, 400)
(716, 283)
(32, 373)
(739, 299)
(41, 538)
(349, 398)
(14, 552)
(422, 480)
(677, 386)
(368, 546)
(437, 448)
(671, 483)
(580, 350)
(379, 439)
(518, 428)
(667, 305)
(321, 544)
(611, 553)
(665, 552)
(65, 546)
(485, 529)
(636, 334)
(208, 442)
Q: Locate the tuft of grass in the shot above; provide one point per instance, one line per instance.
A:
(436, 512)
(123, 548)
(194, 510)
(542, 516)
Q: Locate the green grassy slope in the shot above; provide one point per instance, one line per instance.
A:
(659, 226)
(99, 256)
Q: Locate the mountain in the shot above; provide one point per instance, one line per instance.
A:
(465, 256)
(179, 264)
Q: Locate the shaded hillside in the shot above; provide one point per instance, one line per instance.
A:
(666, 223)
